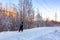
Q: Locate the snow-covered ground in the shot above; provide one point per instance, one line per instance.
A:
(42, 33)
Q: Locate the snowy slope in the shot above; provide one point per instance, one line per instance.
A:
(42, 33)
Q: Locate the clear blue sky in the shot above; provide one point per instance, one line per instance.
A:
(9, 1)
(47, 8)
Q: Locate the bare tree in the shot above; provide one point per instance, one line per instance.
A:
(27, 12)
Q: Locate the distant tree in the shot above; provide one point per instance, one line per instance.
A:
(39, 20)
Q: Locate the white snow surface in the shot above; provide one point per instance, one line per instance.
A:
(41, 33)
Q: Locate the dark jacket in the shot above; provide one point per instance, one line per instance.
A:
(21, 27)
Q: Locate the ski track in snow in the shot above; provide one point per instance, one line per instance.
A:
(42, 33)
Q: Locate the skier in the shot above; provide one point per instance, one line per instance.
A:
(21, 27)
